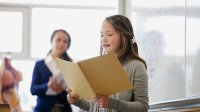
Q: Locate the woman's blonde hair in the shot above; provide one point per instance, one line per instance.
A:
(129, 48)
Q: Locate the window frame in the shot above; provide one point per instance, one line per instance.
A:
(23, 53)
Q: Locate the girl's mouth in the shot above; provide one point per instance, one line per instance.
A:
(106, 45)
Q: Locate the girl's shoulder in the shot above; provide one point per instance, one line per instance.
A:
(134, 63)
(135, 68)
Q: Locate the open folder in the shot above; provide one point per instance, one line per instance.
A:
(102, 75)
(5, 108)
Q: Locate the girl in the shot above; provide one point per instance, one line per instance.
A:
(117, 37)
(47, 83)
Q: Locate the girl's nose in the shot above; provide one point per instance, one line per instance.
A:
(104, 39)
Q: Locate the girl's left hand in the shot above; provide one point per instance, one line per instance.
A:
(102, 101)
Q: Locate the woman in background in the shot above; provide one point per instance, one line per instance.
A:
(9, 83)
(47, 82)
(117, 37)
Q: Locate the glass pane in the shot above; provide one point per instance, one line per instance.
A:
(160, 32)
(193, 48)
(83, 25)
(11, 31)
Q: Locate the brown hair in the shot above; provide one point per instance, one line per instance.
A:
(129, 49)
(64, 56)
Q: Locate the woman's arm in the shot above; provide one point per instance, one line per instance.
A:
(140, 91)
(36, 87)
(83, 104)
(74, 99)
(119, 105)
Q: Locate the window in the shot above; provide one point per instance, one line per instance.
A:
(11, 31)
(193, 49)
(160, 32)
(168, 38)
(83, 25)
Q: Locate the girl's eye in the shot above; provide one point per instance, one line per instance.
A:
(110, 34)
(101, 35)
(58, 40)
(65, 41)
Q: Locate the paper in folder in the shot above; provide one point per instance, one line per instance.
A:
(102, 75)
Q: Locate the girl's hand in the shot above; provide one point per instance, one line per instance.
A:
(72, 99)
(55, 86)
(102, 101)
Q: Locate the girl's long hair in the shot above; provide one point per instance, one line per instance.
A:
(129, 48)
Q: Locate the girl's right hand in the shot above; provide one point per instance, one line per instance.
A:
(72, 99)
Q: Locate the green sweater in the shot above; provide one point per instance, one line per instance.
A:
(135, 100)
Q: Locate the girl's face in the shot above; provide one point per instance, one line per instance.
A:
(59, 43)
(110, 39)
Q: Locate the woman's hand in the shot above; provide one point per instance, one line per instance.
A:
(54, 85)
(72, 99)
(102, 101)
